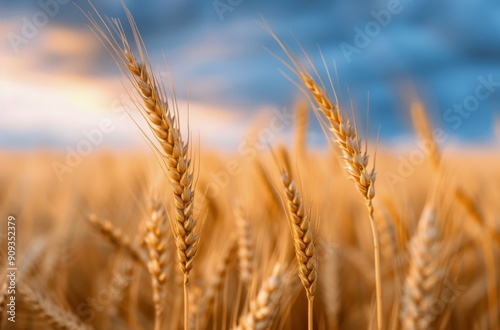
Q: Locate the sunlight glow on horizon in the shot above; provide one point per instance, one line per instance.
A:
(51, 109)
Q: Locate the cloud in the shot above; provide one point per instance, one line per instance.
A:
(221, 66)
(69, 42)
(56, 50)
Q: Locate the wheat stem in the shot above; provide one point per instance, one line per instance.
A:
(186, 303)
(162, 120)
(378, 276)
(303, 239)
(310, 314)
(355, 158)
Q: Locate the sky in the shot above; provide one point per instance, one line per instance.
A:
(58, 84)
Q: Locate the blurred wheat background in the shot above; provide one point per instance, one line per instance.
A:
(269, 189)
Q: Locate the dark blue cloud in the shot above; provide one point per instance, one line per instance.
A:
(439, 47)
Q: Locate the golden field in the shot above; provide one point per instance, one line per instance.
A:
(276, 235)
(77, 273)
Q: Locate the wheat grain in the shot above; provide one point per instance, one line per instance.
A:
(56, 316)
(162, 120)
(424, 274)
(330, 286)
(125, 272)
(245, 246)
(216, 281)
(263, 307)
(483, 236)
(156, 241)
(302, 236)
(303, 240)
(355, 158)
(116, 237)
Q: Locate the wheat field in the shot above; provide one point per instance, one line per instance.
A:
(349, 236)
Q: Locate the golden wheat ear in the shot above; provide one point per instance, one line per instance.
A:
(263, 307)
(484, 236)
(156, 242)
(53, 314)
(345, 133)
(162, 120)
(245, 245)
(300, 227)
(216, 282)
(302, 235)
(478, 231)
(116, 237)
(354, 155)
(424, 275)
(424, 130)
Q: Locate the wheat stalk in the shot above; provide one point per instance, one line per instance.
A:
(424, 274)
(124, 270)
(330, 288)
(245, 246)
(484, 238)
(116, 237)
(163, 122)
(424, 130)
(355, 158)
(263, 307)
(356, 165)
(301, 124)
(303, 239)
(387, 235)
(272, 197)
(156, 241)
(302, 236)
(216, 280)
(57, 317)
